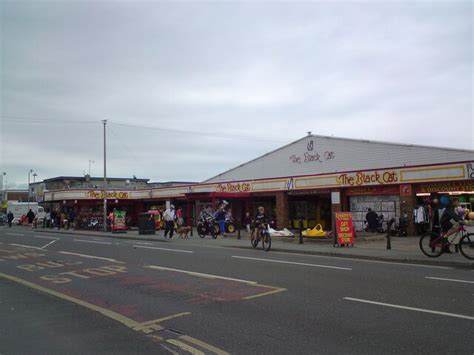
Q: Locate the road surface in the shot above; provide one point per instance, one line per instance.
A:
(81, 294)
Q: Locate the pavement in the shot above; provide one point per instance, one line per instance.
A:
(367, 246)
(78, 292)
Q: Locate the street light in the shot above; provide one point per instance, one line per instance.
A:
(29, 173)
(105, 175)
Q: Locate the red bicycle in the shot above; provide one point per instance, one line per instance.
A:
(433, 244)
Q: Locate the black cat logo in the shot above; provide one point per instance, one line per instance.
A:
(310, 145)
(470, 170)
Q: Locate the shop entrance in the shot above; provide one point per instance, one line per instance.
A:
(311, 210)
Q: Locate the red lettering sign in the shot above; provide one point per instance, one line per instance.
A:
(344, 228)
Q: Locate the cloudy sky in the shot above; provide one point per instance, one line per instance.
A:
(191, 89)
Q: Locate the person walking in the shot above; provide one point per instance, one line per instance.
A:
(220, 219)
(10, 218)
(179, 217)
(247, 221)
(169, 216)
(71, 219)
(31, 216)
(54, 216)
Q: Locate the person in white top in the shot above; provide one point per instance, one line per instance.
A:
(169, 216)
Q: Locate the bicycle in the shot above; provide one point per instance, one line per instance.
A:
(433, 244)
(260, 233)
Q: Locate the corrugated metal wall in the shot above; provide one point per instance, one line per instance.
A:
(327, 155)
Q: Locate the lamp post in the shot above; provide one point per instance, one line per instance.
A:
(34, 191)
(105, 175)
(29, 173)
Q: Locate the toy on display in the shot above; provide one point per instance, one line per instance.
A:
(316, 232)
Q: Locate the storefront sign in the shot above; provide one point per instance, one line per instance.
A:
(122, 195)
(372, 190)
(231, 187)
(448, 186)
(344, 228)
(309, 192)
(368, 178)
(406, 190)
(335, 197)
(118, 223)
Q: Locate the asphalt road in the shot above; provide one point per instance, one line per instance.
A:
(86, 294)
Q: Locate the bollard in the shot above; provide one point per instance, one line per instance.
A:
(191, 233)
(301, 232)
(389, 244)
(238, 229)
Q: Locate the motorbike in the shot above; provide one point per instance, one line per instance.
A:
(380, 225)
(208, 226)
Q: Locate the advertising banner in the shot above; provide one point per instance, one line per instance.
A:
(344, 228)
(118, 224)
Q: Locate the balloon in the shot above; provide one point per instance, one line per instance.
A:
(471, 199)
(444, 200)
(435, 201)
(460, 211)
(471, 216)
(462, 199)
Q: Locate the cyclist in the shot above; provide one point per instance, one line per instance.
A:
(450, 221)
(260, 217)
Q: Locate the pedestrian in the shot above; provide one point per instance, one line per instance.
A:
(71, 219)
(220, 219)
(10, 218)
(31, 216)
(47, 220)
(54, 216)
(179, 217)
(247, 221)
(372, 220)
(169, 216)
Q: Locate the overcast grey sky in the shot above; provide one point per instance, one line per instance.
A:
(395, 71)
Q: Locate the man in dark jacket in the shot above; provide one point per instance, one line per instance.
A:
(372, 220)
(31, 216)
(10, 218)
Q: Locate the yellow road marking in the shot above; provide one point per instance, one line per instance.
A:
(106, 312)
(144, 327)
(203, 345)
(159, 320)
(185, 347)
(275, 290)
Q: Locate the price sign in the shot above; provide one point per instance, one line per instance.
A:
(344, 228)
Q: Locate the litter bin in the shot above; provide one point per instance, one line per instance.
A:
(146, 223)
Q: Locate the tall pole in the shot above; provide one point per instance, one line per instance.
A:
(3, 175)
(90, 161)
(29, 172)
(105, 176)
